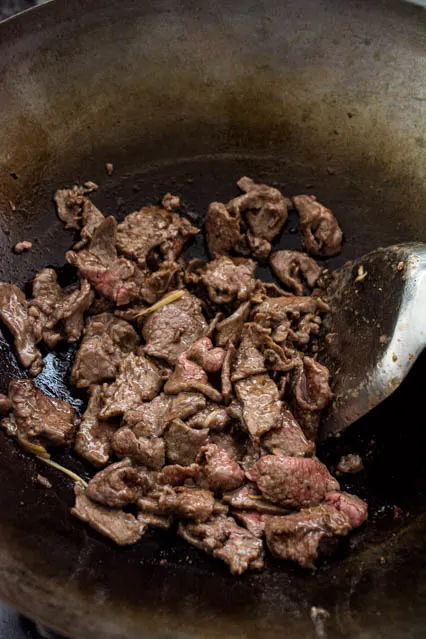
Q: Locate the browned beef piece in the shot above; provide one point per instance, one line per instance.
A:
(223, 230)
(352, 506)
(38, 416)
(114, 277)
(183, 444)
(176, 475)
(297, 536)
(170, 330)
(248, 497)
(265, 210)
(187, 503)
(233, 441)
(261, 405)
(189, 376)
(106, 341)
(156, 285)
(58, 314)
(154, 227)
(186, 405)
(150, 418)
(291, 266)
(288, 440)
(350, 464)
(224, 539)
(5, 405)
(213, 417)
(221, 471)
(229, 329)
(249, 360)
(311, 390)
(14, 314)
(229, 279)
(253, 520)
(295, 482)
(138, 380)
(147, 451)
(203, 352)
(124, 529)
(226, 380)
(290, 316)
(154, 521)
(321, 233)
(119, 484)
(94, 435)
(71, 204)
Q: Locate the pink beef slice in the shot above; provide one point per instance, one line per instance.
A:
(190, 377)
(259, 398)
(288, 439)
(154, 227)
(355, 508)
(38, 416)
(221, 471)
(297, 537)
(172, 329)
(292, 481)
(224, 539)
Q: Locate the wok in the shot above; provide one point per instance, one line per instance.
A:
(317, 97)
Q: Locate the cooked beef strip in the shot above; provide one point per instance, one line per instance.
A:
(154, 521)
(183, 444)
(224, 539)
(352, 506)
(186, 405)
(56, 314)
(290, 266)
(226, 381)
(321, 233)
(249, 360)
(350, 464)
(38, 416)
(5, 405)
(116, 278)
(294, 482)
(70, 203)
(150, 228)
(229, 329)
(229, 279)
(14, 314)
(298, 536)
(288, 439)
(124, 529)
(138, 380)
(311, 390)
(147, 451)
(260, 403)
(189, 376)
(265, 210)
(223, 230)
(253, 520)
(149, 419)
(213, 417)
(94, 436)
(221, 471)
(248, 497)
(176, 475)
(170, 330)
(203, 352)
(106, 341)
(187, 503)
(157, 284)
(119, 484)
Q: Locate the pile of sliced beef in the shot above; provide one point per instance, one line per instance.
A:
(204, 391)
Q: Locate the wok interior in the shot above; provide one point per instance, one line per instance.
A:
(189, 101)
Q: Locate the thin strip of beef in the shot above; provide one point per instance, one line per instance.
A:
(14, 314)
(138, 380)
(106, 341)
(229, 329)
(189, 376)
(146, 451)
(123, 528)
(38, 416)
(94, 436)
(224, 232)
(294, 482)
(248, 497)
(170, 330)
(321, 233)
(119, 484)
(70, 203)
(154, 227)
(291, 266)
(355, 508)
(183, 444)
(187, 503)
(261, 405)
(221, 472)
(224, 539)
(229, 279)
(288, 439)
(298, 536)
(150, 418)
(177, 475)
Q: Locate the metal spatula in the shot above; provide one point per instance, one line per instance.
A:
(376, 330)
